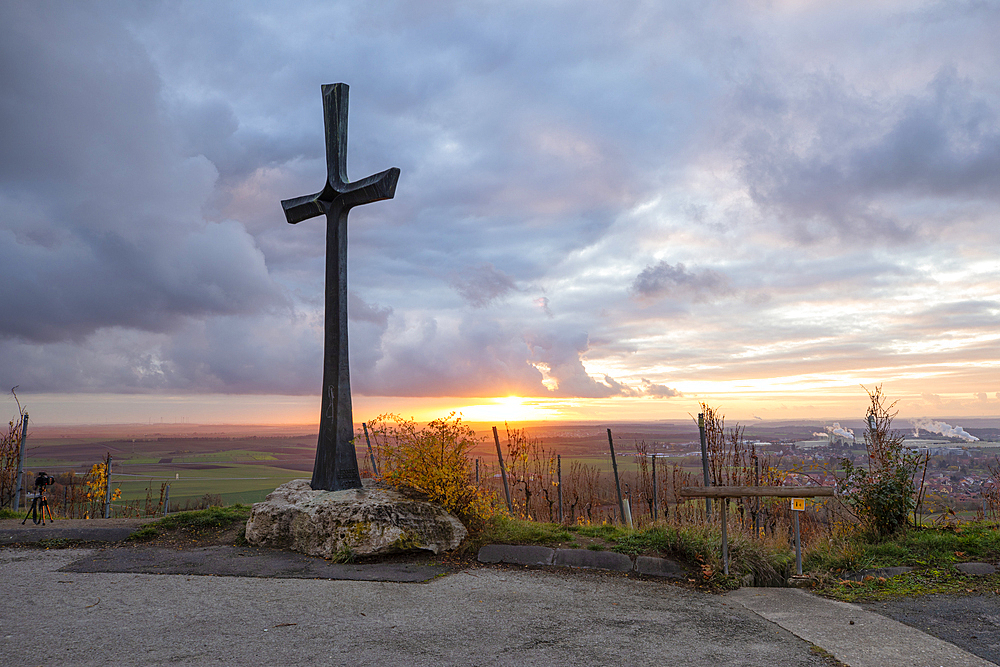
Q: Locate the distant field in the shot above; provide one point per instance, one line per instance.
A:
(245, 463)
(239, 468)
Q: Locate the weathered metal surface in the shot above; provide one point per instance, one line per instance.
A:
(336, 465)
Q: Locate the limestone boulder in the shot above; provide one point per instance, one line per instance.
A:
(363, 522)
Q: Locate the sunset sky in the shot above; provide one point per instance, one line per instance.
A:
(606, 211)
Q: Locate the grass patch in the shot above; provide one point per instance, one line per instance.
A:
(933, 580)
(700, 547)
(9, 514)
(198, 521)
(502, 529)
(917, 547)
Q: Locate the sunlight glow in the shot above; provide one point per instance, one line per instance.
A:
(509, 408)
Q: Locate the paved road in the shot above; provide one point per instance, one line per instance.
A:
(854, 635)
(972, 622)
(480, 616)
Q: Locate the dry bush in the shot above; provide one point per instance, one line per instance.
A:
(433, 461)
(882, 496)
(10, 450)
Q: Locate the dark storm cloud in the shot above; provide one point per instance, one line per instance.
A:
(664, 279)
(482, 285)
(101, 223)
(942, 143)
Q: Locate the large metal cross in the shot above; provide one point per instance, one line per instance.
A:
(336, 465)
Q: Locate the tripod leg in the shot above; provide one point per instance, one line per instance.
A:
(49, 510)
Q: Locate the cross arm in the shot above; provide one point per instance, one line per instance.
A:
(302, 208)
(374, 188)
(367, 190)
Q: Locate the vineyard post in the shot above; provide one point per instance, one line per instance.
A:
(656, 495)
(503, 472)
(370, 452)
(20, 462)
(757, 501)
(725, 539)
(107, 487)
(559, 485)
(166, 501)
(477, 472)
(704, 462)
(618, 486)
(798, 546)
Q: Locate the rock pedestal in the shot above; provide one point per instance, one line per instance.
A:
(360, 522)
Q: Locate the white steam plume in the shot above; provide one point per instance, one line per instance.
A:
(941, 428)
(842, 432)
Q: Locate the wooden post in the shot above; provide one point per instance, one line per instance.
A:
(20, 463)
(656, 493)
(725, 539)
(477, 472)
(559, 484)
(503, 471)
(166, 501)
(370, 452)
(107, 487)
(798, 545)
(756, 506)
(704, 463)
(618, 486)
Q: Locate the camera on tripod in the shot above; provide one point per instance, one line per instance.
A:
(40, 504)
(42, 480)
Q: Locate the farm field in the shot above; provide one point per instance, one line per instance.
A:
(239, 465)
(242, 464)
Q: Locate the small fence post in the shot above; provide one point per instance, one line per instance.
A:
(166, 501)
(20, 463)
(757, 501)
(656, 494)
(107, 487)
(559, 484)
(503, 472)
(725, 538)
(618, 486)
(371, 453)
(798, 540)
(704, 463)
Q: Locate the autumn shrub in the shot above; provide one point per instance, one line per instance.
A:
(96, 485)
(881, 495)
(433, 461)
(10, 449)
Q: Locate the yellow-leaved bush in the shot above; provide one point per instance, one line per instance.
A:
(433, 461)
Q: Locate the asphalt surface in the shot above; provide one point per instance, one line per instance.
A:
(479, 616)
(851, 633)
(221, 604)
(13, 531)
(972, 622)
(230, 561)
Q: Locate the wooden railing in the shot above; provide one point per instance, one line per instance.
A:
(726, 492)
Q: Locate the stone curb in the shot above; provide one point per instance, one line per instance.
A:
(977, 569)
(515, 554)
